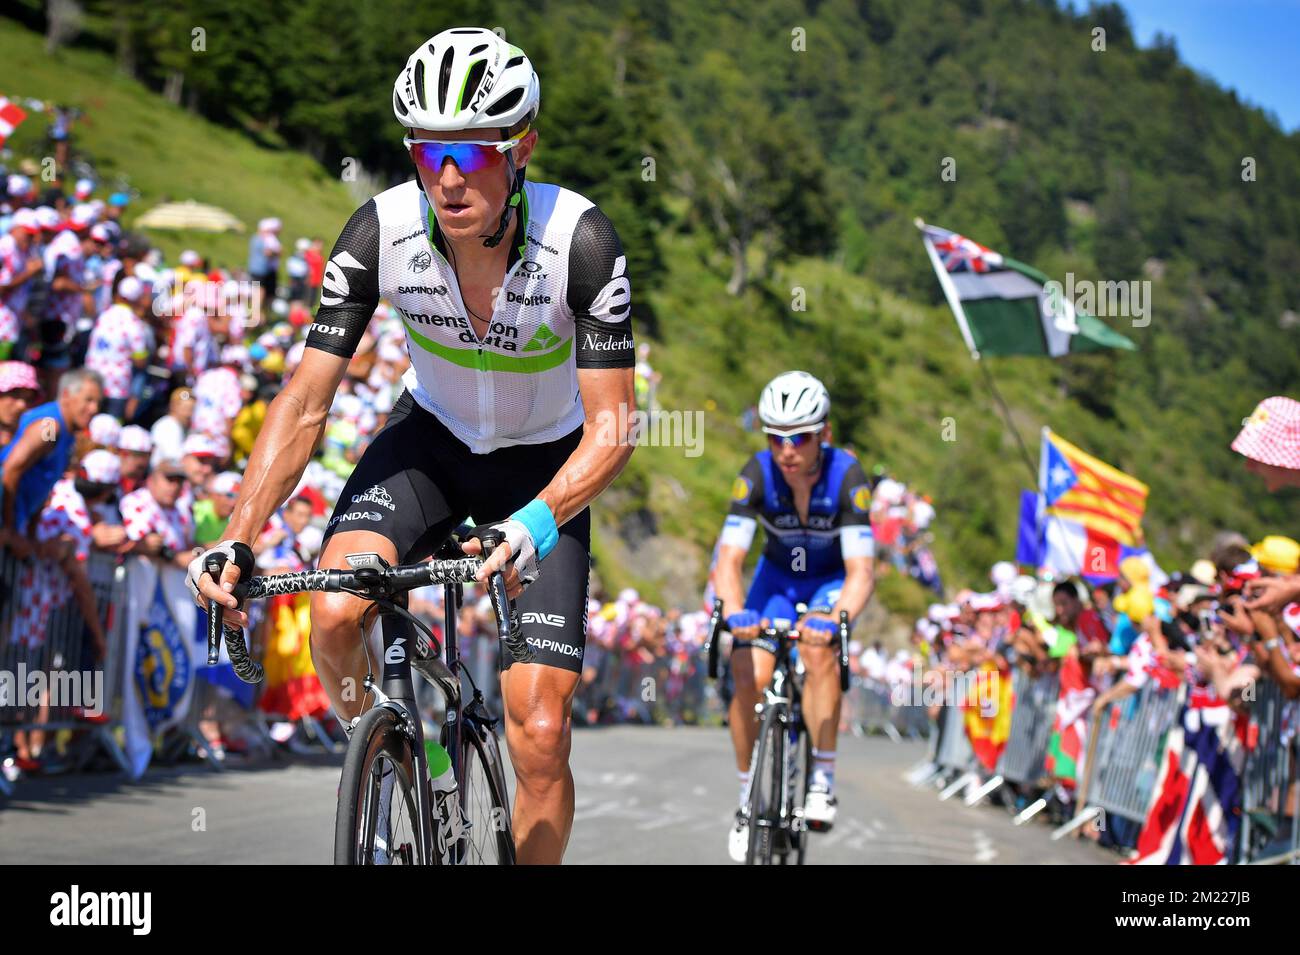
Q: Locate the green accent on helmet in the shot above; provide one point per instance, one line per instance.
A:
(494, 361)
(460, 99)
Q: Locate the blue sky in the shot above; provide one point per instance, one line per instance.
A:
(1252, 46)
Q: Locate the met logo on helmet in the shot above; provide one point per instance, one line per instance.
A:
(484, 87)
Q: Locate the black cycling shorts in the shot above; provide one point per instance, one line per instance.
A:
(417, 482)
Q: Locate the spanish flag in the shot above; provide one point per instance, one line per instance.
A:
(293, 690)
(988, 732)
(1081, 488)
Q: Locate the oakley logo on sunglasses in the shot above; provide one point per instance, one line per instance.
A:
(794, 440)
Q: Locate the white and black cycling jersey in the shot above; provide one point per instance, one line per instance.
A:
(565, 304)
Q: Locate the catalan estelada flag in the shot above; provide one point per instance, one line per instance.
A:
(1081, 488)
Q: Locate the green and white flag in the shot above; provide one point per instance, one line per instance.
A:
(1004, 307)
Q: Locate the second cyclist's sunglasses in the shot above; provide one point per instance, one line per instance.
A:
(469, 155)
(796, 440)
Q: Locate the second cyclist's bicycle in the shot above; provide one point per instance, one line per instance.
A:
(781, 765)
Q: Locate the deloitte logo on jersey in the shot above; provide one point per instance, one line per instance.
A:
(516, 298)
(543, 340)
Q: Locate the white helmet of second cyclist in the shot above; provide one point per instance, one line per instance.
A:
(466, 78)
(794, 401)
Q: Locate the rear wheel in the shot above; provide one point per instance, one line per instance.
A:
(765, 787)
(376, 821)
(485, 800)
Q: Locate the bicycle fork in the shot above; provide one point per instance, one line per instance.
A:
(397, 693)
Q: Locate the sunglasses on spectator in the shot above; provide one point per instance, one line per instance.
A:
(174, 478)
(468, 155)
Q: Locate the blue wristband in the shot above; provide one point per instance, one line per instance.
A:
(539, 520)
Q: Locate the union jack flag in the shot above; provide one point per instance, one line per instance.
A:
(1196, 805)
(960, 254)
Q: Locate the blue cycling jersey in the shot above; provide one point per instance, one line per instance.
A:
(838, 520)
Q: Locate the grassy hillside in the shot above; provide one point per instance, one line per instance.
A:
(141, 143)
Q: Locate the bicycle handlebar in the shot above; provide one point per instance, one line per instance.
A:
(373, 583)
(718, 624)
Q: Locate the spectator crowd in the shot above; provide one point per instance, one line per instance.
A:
(1218, 629)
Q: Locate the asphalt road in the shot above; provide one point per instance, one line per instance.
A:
(644, 795)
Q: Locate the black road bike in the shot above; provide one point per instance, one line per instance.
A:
(781, 765)
(389, 812)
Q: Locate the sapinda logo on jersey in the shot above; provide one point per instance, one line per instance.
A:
(422, 289)
(555, 646)
(356, 516)
(334, 284)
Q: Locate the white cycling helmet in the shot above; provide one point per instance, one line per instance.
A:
(466, 78)
(793, 401)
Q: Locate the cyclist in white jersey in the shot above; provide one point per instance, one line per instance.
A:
(517, 308)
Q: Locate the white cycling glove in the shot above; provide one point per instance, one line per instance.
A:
(522, 548)
(197, 568)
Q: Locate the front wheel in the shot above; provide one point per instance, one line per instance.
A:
(765, 787)
(377, 821)
(488, 838)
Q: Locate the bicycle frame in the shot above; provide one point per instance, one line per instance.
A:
(782, 690)
(406, 646)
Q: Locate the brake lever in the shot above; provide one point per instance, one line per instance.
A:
(507, 613)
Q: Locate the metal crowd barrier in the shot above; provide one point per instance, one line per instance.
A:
(1031, 728)
(954, 753)
(57, 680)
(1267, 779)
(869, 709)
(672, 688)
(1124, 756)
